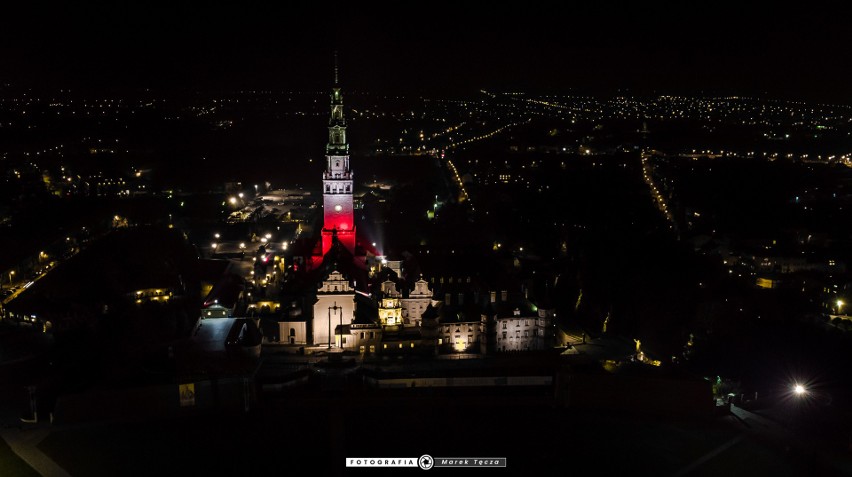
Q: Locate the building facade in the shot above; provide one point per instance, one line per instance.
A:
(335, 306)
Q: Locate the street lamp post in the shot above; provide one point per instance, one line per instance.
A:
(335, 308)
(11, 272)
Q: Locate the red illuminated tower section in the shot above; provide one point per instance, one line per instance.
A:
(337, 180)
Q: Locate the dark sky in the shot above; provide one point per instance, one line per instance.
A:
(434, 47)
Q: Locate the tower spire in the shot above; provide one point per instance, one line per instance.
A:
(337, 145)
(335, 67)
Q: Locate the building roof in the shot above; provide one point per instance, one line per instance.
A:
(506, 309)
(405, 334)
(342, 260)
(366, 311)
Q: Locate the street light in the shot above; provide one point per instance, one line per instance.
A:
(335, 308)
(799, 390)
(840, 304)
(12, 272)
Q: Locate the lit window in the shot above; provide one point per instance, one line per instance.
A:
(385, 346)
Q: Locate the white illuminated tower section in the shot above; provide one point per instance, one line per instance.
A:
(337, 180)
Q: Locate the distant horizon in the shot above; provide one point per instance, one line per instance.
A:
(601, 92)
(799, 53)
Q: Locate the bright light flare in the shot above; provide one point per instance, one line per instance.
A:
(799, 390)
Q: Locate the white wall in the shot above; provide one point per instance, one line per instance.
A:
(522, 333)
(300, 329)
(321, 313)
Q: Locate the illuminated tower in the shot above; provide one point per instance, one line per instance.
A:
(337, 179)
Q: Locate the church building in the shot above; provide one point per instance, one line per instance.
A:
(340, 302)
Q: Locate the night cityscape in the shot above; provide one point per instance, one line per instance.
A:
(347, 240)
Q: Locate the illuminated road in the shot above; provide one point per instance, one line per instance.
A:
(458, 181)
(484, 136)
(659, 200)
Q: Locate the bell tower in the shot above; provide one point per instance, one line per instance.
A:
(338, 214)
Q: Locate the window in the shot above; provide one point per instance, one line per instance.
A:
(385, 346)
(372, 335)
(400, 346)
(440, 341)
(362, 336)
(517, 333)
(504, 325)
(361, 349)
(372, 348)
(292, 332)
(526, 333)
(411, 345)
(535, 332)
(526, 322)
(470, 338)
(344, 340)
(504, 335)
